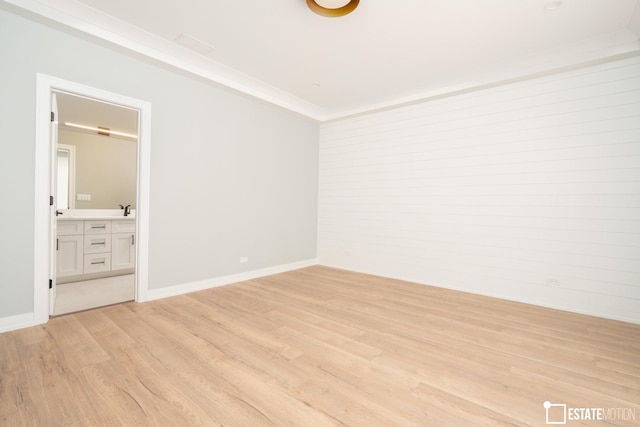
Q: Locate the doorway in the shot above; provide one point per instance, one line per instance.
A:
(95, 174)
(45, 283)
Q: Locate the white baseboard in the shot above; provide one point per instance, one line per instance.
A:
(19, 321)
(475, 291)
(26, 320)
(185, 288)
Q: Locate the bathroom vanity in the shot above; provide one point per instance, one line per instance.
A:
(94, 243)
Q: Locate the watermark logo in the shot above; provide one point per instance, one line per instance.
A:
(556, 413)
(560, 413)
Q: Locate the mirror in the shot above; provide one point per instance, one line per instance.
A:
(97, 162)
(66, 178)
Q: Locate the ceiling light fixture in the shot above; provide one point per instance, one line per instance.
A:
(101, 130)
(333, 8)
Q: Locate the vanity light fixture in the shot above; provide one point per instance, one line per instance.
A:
(333, 8)
(101, 131)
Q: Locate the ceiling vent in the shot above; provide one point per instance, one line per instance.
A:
(195, 45)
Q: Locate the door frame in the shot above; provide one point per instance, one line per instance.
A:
(45, 84)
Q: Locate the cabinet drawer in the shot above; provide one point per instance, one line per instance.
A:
(96, 243)
(94, 263)
(69, 228)
(97, 227)
(123, 226)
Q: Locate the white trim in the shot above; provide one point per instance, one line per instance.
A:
(98, 24)
(93, 22)
(186, 288)
(18, 321)
(44, 86)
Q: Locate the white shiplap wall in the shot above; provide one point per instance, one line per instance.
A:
(528, 191)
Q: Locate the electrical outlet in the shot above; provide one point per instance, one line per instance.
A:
(553, 281)
(244, 259)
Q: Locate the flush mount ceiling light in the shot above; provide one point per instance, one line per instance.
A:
(332, 8)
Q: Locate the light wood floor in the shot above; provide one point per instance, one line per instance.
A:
(317, 347)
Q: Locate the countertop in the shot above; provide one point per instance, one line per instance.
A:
(94, 214)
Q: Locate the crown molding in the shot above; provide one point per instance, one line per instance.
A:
(100, 25)
(509, 75)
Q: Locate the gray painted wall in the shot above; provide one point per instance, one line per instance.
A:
(230, 176)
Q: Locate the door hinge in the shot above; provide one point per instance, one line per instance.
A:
(50, 283)
(50, 200)
(53, 116)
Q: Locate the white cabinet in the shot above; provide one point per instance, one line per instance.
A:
(123, 245)
(96, 263)
(97, 227)
(69, 255)
(96, 243)
(123, 254)
(68, 228)
(95, 246)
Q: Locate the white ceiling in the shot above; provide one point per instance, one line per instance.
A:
(385, 53)
(89, 112)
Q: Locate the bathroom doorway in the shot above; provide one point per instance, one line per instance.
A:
(103, 241)
(95, 196)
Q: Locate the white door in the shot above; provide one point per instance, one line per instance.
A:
(53, 179)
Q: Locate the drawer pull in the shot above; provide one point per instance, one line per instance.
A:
(98, 243)
(97, 262)
(98, 226)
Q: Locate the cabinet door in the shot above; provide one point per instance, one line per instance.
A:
(69, 259)
(123, 251)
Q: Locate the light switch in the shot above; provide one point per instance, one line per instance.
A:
(83, 197)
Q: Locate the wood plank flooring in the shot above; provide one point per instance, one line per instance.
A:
(319, 347)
